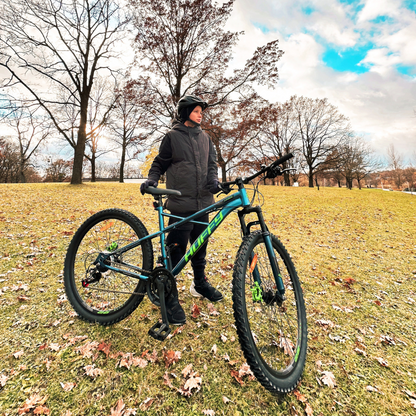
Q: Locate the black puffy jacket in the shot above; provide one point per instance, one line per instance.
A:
(189, 159)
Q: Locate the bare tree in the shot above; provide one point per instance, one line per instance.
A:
(9, 161)
(233, 129)
(322, 129)
(280, 133)
(102, 103)
(58, 170)
(182, 48)
(31, 130)
(48, 45)
(395, 161)
(130, 125)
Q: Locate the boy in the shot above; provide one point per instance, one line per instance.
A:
(189, 159)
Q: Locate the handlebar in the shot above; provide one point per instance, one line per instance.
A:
(269, 168)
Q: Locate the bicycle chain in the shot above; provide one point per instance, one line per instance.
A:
(118, 291)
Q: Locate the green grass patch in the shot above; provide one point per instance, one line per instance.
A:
(355, 253)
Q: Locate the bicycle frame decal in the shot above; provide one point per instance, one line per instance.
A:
(204, 236)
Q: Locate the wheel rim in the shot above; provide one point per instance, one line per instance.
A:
(113, 290)
(274, 328)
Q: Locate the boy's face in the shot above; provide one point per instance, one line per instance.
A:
(196, 115)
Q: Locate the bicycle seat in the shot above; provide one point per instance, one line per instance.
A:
(159, 191)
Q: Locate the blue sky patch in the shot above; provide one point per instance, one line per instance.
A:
(263, 28)
(410, 4)
(382, 19)
(308, 10)
(406, 70)
(346, 60)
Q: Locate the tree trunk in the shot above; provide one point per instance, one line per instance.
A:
(286, 178)
(93, 177)
(122, 162)
(22, 178)
(80, 146)
(316, 182)
(310, 175)
(339, 183)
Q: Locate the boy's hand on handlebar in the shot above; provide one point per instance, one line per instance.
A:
(217, 186)
(224, 188)
(146, 184)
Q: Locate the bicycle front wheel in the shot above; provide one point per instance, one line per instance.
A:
(105, 296)
(272, 331)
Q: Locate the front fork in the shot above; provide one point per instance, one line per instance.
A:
(256, 289)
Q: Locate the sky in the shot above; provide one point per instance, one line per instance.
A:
(360, 54)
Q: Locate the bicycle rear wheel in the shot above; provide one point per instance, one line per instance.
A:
(272, 332)
(109, 296)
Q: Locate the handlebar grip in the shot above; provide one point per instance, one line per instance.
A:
(283, 159)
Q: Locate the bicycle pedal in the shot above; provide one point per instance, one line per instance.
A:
(159, 331)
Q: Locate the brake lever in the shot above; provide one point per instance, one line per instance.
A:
(224, 189)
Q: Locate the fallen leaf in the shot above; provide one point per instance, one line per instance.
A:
(209, 412)
(371, 388)
(358, 351)
(105, 348)
(308, 410)
(410, 394)
(300, 396)
(385, 339)
(68, 386)
(237, 377)
(18, 354)
(329, 379)
(382, 362)
(245, 370)
(23, 298)
(171, 357)
(153, 357)
(225, 399)
(223, 338)
(191, 383)
(166, 380)
(3, 380)
(32, 402)
(41, 410)
(187, 370)
(54, 347)
(87, 349)
(214, 348)
(212, 310)
(146, 404)
(117, 410)
(325, 323)
(93, 372)
(195, 311)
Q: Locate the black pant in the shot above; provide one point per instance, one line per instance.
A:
(181, 235)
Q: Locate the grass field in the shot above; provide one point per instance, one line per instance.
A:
(355, 253)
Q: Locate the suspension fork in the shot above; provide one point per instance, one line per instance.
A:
(269, 248)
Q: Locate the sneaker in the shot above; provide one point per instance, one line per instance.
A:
(205, 290)
(175, 312)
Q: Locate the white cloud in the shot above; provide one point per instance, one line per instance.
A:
(374, 8)
(379, 103)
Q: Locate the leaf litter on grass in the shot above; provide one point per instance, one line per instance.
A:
(354, 252)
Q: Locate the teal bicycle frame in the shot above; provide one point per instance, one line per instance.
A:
(224, 208)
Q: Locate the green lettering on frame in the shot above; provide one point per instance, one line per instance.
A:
(204, 236)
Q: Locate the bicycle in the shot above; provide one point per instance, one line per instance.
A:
(109, 269)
